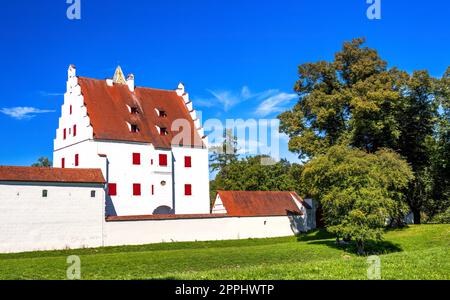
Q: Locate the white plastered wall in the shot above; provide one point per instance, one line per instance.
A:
(67, 218)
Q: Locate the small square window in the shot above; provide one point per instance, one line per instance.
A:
(112, 189)
(136, 189)
(44, 193)
(188, 190)
(92, 194)
(187, 162)
(136, 158)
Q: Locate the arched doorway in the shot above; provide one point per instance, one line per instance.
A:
(163, 210)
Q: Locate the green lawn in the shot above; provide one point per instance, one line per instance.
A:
(418, 252)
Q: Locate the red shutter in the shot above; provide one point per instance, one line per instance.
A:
(64, 134)
(71, 109)
(74, 130)
(187, 162)
(153, 189)
(112, 189)
(63, 162)
(76, 160)
(136, 158)
(136, 189)
(188, 190)
(163, 160)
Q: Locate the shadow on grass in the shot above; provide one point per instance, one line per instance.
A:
(323, 237)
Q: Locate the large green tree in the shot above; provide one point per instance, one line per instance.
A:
(358, 191)
(356, 100)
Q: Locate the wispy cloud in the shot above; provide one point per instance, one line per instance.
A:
(227, 99)
(20, 113)
(274, 104)
(50, 94)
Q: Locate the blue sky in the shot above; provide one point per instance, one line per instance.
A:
(238, 58)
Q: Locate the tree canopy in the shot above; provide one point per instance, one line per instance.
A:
(357, 101)
(358, 191)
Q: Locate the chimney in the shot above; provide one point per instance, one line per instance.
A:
(130, 82)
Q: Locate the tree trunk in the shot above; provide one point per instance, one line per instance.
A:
(360, 246)
(416, 214)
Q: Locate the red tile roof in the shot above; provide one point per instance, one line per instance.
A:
(39, 174)
(108, 112)
(260, 203)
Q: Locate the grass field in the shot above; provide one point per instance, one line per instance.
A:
(417, 252)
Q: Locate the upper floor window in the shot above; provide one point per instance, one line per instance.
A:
(163, 160)
(70, 109)
(112, 189)
(74, 130)
(188, 190)
(136, 189)
(187, 162)
(136, 158)
(64, 134)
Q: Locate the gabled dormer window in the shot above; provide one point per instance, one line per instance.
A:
(134, 110)
(163, 131)
(161, 113)
(134, 128)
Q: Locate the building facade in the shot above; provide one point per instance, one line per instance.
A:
(149, 144)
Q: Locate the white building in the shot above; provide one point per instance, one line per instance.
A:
(149, 144)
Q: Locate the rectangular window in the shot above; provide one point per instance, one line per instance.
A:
(151, 162)
(74, 130)
(71, 109)
(153, 189)
(112, 189)
(163, 160)
(77, 162)
(92, 194)
(63, 162)
(187, 162)
(44, 193)
(188, 190)
(64, 134)
(136, 158)
(136, 189)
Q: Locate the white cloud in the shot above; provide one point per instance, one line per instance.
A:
(20, 113)
(227, 99)
(274, 104)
